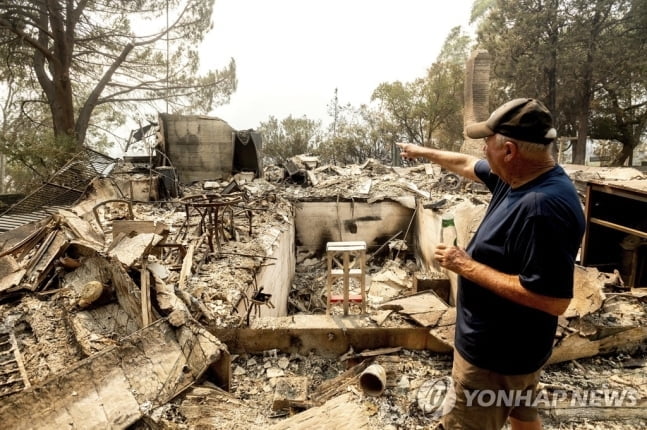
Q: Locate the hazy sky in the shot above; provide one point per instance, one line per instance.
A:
(292, 54)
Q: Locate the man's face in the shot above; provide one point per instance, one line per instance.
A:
(494, 153)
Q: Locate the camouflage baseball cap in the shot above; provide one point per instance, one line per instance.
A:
(524, 119)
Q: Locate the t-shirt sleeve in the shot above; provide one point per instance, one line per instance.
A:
(483, 172)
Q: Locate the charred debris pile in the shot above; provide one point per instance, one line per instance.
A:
(112, 308)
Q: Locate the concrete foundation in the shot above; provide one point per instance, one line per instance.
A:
(315, 224)
(324, 335)
(275, 277)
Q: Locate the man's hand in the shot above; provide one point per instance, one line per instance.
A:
(462, 164)
(451, 257)
(505, 285)
(409, 151)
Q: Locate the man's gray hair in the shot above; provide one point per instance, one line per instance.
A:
(523, 145)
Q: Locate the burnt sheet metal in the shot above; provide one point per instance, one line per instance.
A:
(7, 200)
(143, 142)
(248, 152)
(9, 222)
(62, 190)
(142, 133)
(200, 147)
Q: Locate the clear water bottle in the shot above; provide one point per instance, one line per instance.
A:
(448, 234)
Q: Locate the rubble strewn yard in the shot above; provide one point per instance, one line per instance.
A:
(151, 299)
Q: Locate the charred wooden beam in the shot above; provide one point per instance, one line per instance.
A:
(117, 386)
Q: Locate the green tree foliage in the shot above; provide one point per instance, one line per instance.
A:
(27, 153)
(288, 137)
(619, 111)
(573, 55)
(428, 111)
(520, 37)
(356, 135)
(456, 47)
(480, 8)
(397, 102)
(621, 116)
(359, 134)
(112, 55)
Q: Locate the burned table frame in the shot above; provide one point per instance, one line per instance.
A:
(213, 210)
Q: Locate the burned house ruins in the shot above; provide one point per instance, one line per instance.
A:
(196, 288)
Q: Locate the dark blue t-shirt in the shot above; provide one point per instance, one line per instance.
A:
(533, 231)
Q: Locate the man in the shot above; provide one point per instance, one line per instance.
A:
(516, 275)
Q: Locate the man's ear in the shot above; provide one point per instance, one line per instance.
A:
(511, 150)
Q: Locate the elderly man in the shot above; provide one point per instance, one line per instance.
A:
(516, 275)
